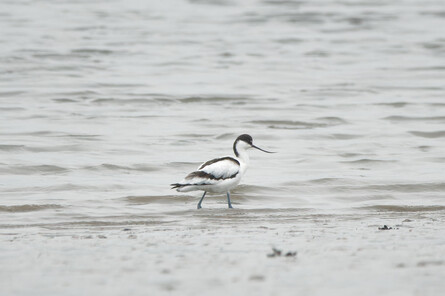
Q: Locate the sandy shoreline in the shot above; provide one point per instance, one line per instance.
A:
(220, 252)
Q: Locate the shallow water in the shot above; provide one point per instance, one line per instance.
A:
(104, 104)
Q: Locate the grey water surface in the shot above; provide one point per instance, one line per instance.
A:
(103, 104)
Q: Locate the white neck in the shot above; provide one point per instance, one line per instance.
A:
(243, 155)
(241, 148)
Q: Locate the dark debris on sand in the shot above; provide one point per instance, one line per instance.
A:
(278, 253)
(385, 227)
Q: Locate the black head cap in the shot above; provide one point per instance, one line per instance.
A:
(245, 138)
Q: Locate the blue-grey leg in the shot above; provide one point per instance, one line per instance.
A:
(228, 200)
(200, 201)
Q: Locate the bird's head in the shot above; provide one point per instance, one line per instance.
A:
(245, 142)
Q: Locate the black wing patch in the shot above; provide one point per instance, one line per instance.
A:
(218, 159)
(204, 175)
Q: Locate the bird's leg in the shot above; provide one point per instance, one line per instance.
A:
(228, 200)
(200, 201)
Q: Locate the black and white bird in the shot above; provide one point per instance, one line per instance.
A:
(220, 175)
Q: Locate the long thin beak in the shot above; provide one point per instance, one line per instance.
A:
(262, 149)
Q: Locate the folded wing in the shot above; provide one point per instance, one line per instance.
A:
(210, 173)
(214, 170)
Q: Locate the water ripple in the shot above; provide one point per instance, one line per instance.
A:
(33, 169)
(404, 208)
(438, 134)
(287, 124)
(114, 167)
(214, 99)
(28, 208)
(412, 118)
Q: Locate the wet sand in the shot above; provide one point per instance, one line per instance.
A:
(220, 251)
